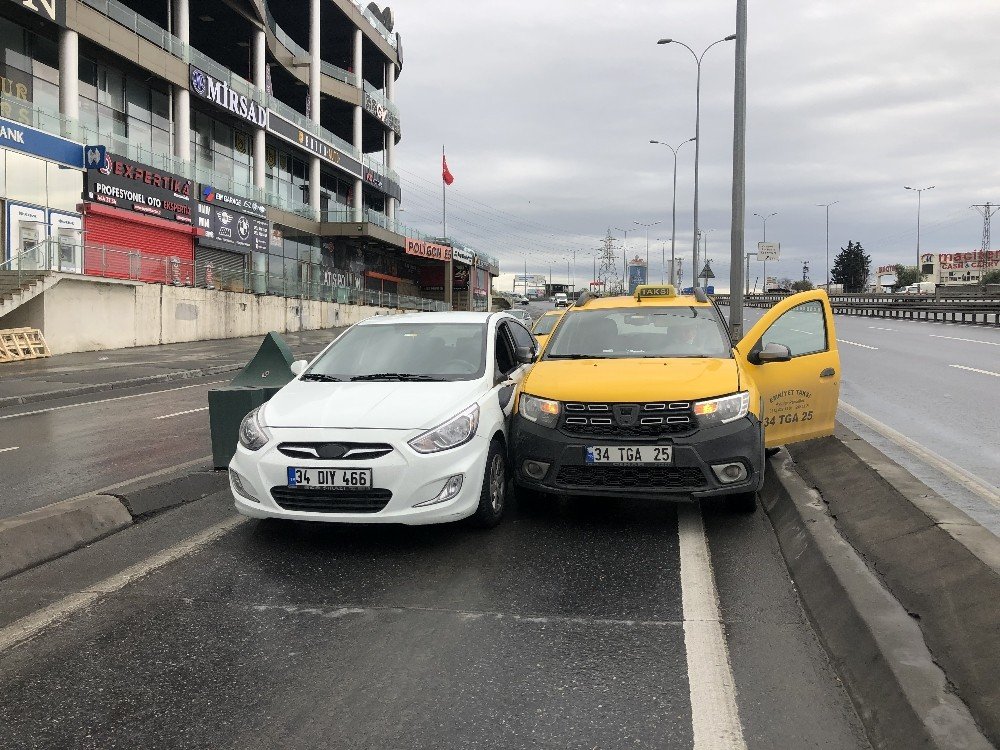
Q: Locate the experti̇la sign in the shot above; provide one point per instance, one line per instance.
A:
(220, 93)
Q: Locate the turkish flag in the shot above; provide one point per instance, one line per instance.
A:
(446, 174)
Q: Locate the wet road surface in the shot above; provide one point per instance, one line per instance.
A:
(562, 628)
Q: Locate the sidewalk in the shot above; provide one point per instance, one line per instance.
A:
(90, 372)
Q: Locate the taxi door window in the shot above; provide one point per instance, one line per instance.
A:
(506, 363)
(802, 329)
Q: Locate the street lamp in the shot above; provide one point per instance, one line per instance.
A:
(764, 269)
(920, 192)
(646, 227)
(697, 137)
(827, 207)
(673, 213)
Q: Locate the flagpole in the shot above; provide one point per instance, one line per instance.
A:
(444, 202)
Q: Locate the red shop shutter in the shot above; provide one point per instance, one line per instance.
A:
(143, 250)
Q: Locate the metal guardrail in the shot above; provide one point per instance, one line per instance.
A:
(103, 261)
(985, 311)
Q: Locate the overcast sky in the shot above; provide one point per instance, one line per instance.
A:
(547, 109)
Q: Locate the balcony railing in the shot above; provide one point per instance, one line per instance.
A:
(376, 24)
(392, 119)
(103, 261)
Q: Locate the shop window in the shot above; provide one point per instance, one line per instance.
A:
(88, 79)
(138, 101)
(14, 45)
(64, 187)
(45, 95)
(27, 179)
(88, 114)
(160, 141)
(160, 109)
(110, 88)
(45, 59)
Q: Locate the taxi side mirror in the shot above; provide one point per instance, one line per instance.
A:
(525, 355)
(299, 366)
(771, 352)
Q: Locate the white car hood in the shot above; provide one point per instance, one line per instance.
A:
(373, 405)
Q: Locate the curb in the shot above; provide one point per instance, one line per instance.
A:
(35, 537)
(32, 398)
(901, 695)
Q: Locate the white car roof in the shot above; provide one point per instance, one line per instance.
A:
(428, 317)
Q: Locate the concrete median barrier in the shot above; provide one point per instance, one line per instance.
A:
(907, 613)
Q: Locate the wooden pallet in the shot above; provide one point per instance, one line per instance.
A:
(18, 344)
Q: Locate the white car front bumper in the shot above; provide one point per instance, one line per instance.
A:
(411, 478)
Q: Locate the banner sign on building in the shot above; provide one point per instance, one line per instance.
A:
(463, 255)
(229, 230)
(427, 249)
(221, 199)
(219, 93)
(381, 112)
(325, 151)
(35, 142)
(126, 184)
(51, 10)
(977, 259)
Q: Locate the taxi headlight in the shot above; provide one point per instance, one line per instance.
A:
(253, 431)
(540, 410)
(723, 410)
(457, 431)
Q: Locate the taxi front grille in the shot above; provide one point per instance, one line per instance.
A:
(632, 477)
(331, 501)
(621, 420)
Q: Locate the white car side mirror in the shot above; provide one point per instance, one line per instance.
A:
(299, 366)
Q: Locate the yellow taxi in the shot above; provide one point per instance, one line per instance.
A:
(648, 395)
(544, 326)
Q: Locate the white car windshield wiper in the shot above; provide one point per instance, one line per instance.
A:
(398, 376)
(321, 378)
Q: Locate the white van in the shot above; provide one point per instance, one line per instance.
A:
(561, 299)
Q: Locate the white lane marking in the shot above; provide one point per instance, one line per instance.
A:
(954, 472)
(807, 333)
(31, 625)
(106, 400)
(876, 328)
(855, 343)
(8, 450)
(976, 369)
(180, 413)
(714, 714)
(971, 341)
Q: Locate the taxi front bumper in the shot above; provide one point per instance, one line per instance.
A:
(689, 475)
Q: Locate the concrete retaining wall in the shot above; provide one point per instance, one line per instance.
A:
(80, 315)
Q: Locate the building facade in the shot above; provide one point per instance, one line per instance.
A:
(959, 268)
(245, 145)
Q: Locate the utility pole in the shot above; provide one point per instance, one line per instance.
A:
(739, 175)
(827, 207)
(986, 211)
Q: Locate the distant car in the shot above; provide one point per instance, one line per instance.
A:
(522, 300)
(561, 300)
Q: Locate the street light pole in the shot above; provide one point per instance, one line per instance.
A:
(646, 227)
(827, 207)
(920, 192)
(697, 137)
(764, 269)
(673, 211)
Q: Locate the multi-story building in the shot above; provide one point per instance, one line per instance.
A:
(247, 145)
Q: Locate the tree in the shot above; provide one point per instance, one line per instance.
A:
(906, 275)
(802, 286)
(852, 267)
(991, 277)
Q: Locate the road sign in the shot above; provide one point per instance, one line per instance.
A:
(768, 251)
(707, 272)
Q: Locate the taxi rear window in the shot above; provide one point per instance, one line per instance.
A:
(641, 332)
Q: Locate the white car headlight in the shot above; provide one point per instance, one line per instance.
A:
(253, 431)
(723, 410)
(540, 410)
(457, 431)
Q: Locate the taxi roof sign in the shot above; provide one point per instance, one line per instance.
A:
(644, 291)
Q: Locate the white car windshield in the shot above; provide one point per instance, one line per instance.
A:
(646, 332)
(404, 351)
(545, 325)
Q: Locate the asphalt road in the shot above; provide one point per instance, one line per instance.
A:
(568, 626)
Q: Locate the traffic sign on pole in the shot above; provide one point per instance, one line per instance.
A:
(768, 251)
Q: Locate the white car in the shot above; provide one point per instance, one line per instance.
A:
(402, 419)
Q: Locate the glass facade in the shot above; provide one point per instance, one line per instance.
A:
(29, 73)
(221, 147)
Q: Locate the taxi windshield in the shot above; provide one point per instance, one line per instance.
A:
(545, 325)
(640, 332)
(404, 351)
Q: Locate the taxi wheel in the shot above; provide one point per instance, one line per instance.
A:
(493, 496)
(745, 502)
